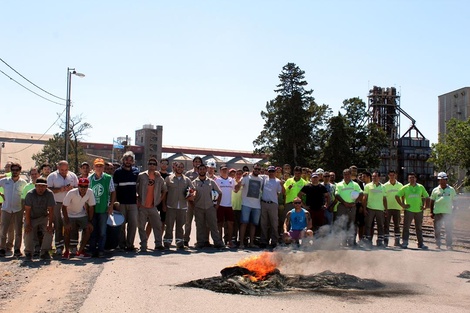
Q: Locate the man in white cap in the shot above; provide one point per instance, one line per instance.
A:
(441, 210)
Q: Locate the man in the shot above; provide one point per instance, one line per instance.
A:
(237, 206)
(125, 179)
(347, 194)
(105, 195)
(11, 230)
(413, 197)
(151, 190)
(179, 191)
(39, 215)
(286, 171)
(394, 209)
(12, 212)
(317, 200)
(45, 170)
(78, 208)
(269, 208)
(85, 170)
(60, 182)
(33, 174)
(225, 212)
(192, 174)
(298, 224)
(360, 210)
(251, 205)
(330, 188)
(109, 168)
(211, 165)
(292, 188)
(442, 198)
(205, 212)
(164, 163)
(374, 203)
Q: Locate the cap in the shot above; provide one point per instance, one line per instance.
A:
(232, 170)
(83, 181)
(271, 168)
(314, 174)
(320, 171)
(442, 175)
(84, 163)
(41, 181)
(210, 163)
(223, 165)
(98, 161)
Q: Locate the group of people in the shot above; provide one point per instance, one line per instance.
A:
(232, 207)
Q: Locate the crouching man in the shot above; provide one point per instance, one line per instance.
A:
(39, 213)
(77, 209)
(298, 223)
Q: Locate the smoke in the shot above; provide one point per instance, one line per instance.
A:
(329, 252)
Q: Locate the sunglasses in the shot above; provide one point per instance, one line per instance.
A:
(15, 169)
(297, 202)
(152, 163)
(256, 169)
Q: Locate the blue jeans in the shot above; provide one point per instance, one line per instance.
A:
(98, 236)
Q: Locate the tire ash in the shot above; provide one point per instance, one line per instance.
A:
(327, 282)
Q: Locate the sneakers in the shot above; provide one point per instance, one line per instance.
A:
(160, 248)
(404, 246)
(101, 254)
(143, 249)
(28, 257)
(17, 253)
(186, 243)
(66, 255)
(423, 247)
(83, 255)
(2, 253)
(58, 251)
(449, 248)
(45, 256)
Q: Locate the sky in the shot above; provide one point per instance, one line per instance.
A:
(204, 70)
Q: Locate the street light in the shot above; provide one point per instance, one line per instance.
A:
(70, 72)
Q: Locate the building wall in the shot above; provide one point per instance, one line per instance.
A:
(454, 104)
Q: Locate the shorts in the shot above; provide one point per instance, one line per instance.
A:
(295, 234)
(78, 223)
(250, 215)
(225, 214)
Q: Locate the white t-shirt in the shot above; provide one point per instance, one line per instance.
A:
(226, 186)
(251, 192)
(76, 204)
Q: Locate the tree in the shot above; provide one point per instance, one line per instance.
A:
(453, 149)
(293, 121)
(53, 150)
(336, 145)
(352, 140)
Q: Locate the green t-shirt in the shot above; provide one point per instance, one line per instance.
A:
(26, 188)
(391, 191)
(375, 196)
(344, 190)
(291, 193)
(414, 196)
(443, 199)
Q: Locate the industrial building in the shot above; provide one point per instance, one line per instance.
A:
(407, 153)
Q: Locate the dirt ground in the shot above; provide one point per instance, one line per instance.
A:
(425, 280)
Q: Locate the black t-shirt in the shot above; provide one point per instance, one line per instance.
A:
(315, 196)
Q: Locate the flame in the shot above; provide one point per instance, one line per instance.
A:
(261, 265)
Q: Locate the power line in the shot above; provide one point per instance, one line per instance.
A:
(30, 89)
(31, 81)
(58, 117)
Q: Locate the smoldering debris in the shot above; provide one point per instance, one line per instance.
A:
(237, 282)
(465, 274)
